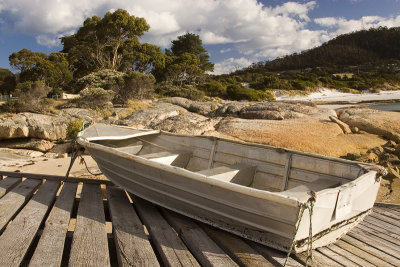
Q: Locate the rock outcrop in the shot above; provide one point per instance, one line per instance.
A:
(28, 143)
(202, 108)
(30, 125)
(171, 118)
(382, 123)
(278, 110)
(187, 123)
(79, 113)
(151, 117)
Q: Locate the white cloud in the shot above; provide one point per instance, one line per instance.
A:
(48, 41)
(341, 25)
(247, 27)
(231, 64)
(217, 21)
(226, 50)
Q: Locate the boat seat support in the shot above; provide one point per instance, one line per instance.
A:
(302, 192)
(178, 159)
(238, 174)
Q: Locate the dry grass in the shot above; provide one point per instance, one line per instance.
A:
(133, 105)
(138, 104)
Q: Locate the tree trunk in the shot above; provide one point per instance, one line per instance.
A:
(115, 56)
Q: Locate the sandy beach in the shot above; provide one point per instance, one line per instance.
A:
(327, 95)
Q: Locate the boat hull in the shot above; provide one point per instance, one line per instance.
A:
(268, 222)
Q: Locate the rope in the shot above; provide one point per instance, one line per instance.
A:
(310, 206)
(74, 155)
(87, 168)
(77, 150)
(310, 235)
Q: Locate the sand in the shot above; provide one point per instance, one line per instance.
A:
(42, 165)
(327, 95)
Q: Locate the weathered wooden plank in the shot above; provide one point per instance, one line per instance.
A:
(133, 246)
(381, 233)
(336, 257)
(274, 256)
(367, 247)
(389, 213)
(236, 248)
(380, 223)
(393, 211)
(200, 244)
(319, 260)
(392, 221)
(17, 238)
(8, 184)
(358, 260)
(361, 253)
(49, 250)
(54, 178)
(380, 244)
(380, 229)
(89, 243)
(388, 205)
(15, 199)
(172, 250)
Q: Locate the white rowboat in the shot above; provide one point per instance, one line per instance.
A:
(259, 192)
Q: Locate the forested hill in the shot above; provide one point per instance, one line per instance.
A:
(357, 48)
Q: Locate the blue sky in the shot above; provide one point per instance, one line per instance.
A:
(235, 32)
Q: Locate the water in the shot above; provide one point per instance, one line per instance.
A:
(386, 106)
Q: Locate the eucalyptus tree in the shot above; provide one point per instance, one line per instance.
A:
(186, 62)
(106, 43)
(51, 69)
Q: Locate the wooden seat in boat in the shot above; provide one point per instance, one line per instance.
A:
(303, 191)
(238, 174)
(130, 149)
(178, 159)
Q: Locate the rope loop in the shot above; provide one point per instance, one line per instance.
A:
(303, 206)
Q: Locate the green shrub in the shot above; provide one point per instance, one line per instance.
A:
(74, 127)
(214, 88)
(238, 92)
(55, 93)
(14, 106)
(302, 85)
(94, 98)
(103, 78)
(186, 91)
(60, 141)
(135, 85)
(31, 98)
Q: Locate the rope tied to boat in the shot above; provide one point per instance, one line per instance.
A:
(380, 171)
(78, 150)
(309, 204)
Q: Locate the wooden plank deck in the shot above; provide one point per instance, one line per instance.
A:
(46, 222)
